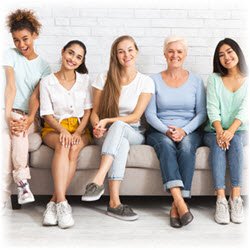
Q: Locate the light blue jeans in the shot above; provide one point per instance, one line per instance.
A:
(219, 158)
(116, 143)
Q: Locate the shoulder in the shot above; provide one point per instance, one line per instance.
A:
(12, 52)
(195, 77)
(48, 80)
(100, 80)
(82, 79)
(213, 78)
(145, 78)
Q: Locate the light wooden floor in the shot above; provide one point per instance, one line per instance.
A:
(95, 230)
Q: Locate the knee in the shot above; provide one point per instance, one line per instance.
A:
(59, 148)
(74, 152)
(117, 124)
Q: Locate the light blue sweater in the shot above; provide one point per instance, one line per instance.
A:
(183, 107)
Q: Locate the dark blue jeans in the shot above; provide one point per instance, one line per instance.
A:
(219, 158)
(177, 159)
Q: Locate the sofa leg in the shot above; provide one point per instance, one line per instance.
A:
(14, 202)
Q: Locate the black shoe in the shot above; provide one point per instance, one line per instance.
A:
(175, 221)
(186, 218)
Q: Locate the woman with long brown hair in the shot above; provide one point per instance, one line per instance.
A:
(120, 98)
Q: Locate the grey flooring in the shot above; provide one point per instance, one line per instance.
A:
(95, 230)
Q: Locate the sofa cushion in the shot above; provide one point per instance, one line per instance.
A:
(35, 141)
(140, 156)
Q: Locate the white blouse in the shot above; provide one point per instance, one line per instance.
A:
(62, 103)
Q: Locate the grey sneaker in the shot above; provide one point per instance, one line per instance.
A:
(122, 212)
(93, 192)
(222, 211)
(236, 210)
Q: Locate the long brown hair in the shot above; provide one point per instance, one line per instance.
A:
(109, 105)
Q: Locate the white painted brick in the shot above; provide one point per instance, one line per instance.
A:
(158, 32)
(173, 13)
(239, 14)
(79, 21)
(47, 21)
(147, 13)
(185, 32)
(224, 24)
(93, 12)
(208, 14)
(65, 12)
(121, 13)
(104, 31)
(203, 23)
(185, 23)
(62, 21)
(131, 31)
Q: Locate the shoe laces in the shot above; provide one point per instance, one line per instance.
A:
(127, 209)
(222, 206)
(64, 209)
(92, 187)
(236, 204)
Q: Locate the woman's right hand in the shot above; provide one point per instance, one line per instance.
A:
(98, 132)
(16, 127)
(65, 138)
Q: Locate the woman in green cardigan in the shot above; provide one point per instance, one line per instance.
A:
(226, 131)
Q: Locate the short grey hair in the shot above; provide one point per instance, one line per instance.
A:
(171, 39)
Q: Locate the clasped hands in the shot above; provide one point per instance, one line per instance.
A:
(223, 139)
(100, 128)
(67, 139)
(175, 133)
(20, 126)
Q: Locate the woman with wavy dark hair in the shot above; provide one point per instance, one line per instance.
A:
(226, 131)
(120, 98)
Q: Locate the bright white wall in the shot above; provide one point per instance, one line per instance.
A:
(97, 23)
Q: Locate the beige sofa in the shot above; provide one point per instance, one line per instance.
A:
(142, 176)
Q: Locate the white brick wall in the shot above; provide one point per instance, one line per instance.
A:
(98, 23)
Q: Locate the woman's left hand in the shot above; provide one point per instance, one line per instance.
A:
(177, 134)
(102, 124)
(227, 136)
(76, 138)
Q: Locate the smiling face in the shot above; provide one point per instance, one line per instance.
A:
(24, 42)
(227, 56)
(126, 53)
(175, 54)
(72, 57)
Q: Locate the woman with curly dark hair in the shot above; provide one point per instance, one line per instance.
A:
(23, 69)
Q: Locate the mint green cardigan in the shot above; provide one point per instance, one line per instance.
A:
(225, 106)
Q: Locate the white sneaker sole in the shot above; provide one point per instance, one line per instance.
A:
(222, 222)
(21, 202)
(125, 218)
(92, 198)
(67, 225)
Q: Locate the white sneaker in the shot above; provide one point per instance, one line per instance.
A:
(222, 211)
(64, 214)
(236, 210)
(24, 194)
(49, 215)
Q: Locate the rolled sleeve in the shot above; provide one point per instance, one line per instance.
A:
(46, 107)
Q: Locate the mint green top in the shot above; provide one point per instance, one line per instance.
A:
(225, 106)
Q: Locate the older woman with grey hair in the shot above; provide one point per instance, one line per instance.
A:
(175, 112)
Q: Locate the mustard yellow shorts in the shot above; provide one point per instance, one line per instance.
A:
(71, 124)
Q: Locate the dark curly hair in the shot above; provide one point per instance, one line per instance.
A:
(23, 19)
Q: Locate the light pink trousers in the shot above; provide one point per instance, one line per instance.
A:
(20, 151)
